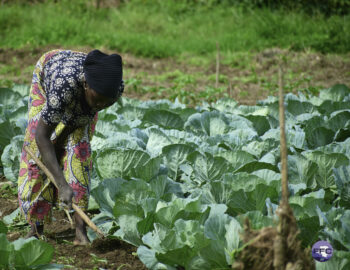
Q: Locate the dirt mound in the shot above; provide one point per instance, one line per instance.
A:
(8, 205)
(8, 199)
(106, 253)
(265, 248)
(102, 253)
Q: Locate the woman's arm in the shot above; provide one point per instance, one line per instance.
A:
(48, 154)
(61, 140)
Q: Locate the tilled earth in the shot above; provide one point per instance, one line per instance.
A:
(102, 253)
(249, 78)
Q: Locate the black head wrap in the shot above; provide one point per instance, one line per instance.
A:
(104, 73)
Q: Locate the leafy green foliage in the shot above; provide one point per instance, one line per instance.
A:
(13, 114)
(10, 158)
(342, 179)
(222, 162)
(3, 228)
(26, 254)
(178, 182)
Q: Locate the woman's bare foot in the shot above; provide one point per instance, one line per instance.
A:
(81, 238)
(35, 230)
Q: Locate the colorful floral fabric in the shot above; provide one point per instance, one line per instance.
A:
(51, 100)
(63, 78)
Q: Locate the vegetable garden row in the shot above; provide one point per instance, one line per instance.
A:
(178, 182)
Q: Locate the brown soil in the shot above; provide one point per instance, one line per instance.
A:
(254, 81)
(8, 201)
(8, 205)
(105, 253)
(108, 254)
(102, 253)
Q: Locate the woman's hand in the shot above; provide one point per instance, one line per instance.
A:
(66, 194)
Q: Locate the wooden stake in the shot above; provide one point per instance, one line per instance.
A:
(44, 188)
(69, 218)
(280, 242)
(98, 4)
(217, 65)
(283, 142)
(229, 89)
(74, 206)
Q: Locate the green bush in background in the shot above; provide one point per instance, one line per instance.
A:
(162, 28)
(326, 7)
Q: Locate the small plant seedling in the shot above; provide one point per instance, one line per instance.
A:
(96, 259)
(67, 242)
(124, 265)
(66, 260)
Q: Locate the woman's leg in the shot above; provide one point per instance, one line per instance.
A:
(35, 230)
(80, 231)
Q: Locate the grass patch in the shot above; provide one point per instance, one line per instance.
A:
(169, 28)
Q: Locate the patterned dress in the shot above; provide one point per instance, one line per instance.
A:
(57, 96)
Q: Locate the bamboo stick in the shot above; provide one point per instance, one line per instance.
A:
(229, 90)
(44, 188)
(69, 218)
(284, 169)
(74, 206)
(280, 242)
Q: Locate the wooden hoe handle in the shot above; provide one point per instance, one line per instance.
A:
(74, 206)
